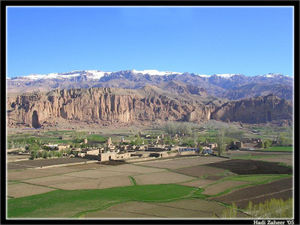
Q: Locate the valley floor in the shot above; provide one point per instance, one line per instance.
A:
(187, 187)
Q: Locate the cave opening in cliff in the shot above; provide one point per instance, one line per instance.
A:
(35, 120)
(269, 116)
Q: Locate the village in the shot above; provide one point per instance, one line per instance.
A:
(125, 150)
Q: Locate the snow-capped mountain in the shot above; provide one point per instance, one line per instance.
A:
(232, 86)
(97, 74)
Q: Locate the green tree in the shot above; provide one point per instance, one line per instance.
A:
(230, 211)
(200, 148)
(283, 140)
(45, 154)
(170, 128)
(33, 147)
(188, 142)
(220, 141)
(39, 154)
(33, 155)
(267, 143)
(51, 154)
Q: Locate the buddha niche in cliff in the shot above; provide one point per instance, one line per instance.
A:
(35, 120)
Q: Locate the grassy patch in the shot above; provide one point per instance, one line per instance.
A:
(133, 181)
(249, 156)
(280, 148)
(66, 204)
(258, 178)
(96, 138)
(284, 164)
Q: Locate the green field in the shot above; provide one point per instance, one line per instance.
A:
(280, 148)
(258, 178)
(96, 138)
(249, 156)
(75, 203)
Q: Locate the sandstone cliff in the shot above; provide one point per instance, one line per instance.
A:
(98, 105)
(255, 110)
(112, 105)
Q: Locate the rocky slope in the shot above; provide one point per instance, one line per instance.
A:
(230, 86)
(113, 105)
(256, 110)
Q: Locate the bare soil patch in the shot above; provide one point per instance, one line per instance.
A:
(198, 183)
(182, 162)
(85, 166)
(202, 206)
(106, 182)
(240, 166)
(131, 168)
(124, 210)
(288, 160)
(76, 184)
(113, 162)
(117, 181)
(20, 190)
(35, 173)
(161, 178)
(13, 158)
(98, 173)
(26, 174)
(195, 208)
(285, 194)
(68, 182)
(43, 162)
(281, 189)
(253, 153)
(201, 171)
(112, 213)
(223, 186)
(53, 181)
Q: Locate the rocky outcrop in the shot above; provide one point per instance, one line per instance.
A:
(255, 110)
(110, 105)
(98, 105)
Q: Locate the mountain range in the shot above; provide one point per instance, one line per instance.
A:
(131, 96)
(225, 86)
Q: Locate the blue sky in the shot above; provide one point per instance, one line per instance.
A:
(202, 40)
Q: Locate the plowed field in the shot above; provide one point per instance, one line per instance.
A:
(277, 189)
(240, 166)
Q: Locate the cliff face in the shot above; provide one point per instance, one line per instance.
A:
(255, 110)
(98, 105)
(109, 105)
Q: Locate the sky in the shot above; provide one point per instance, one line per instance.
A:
(203, 40)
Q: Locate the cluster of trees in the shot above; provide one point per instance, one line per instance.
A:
(21, 142)
(34, 154)
(168, 140)
(180, 128)
(137, 141)
(273, 208)
(189, 142)
(266, 143)
(282, 140)
(230, 211)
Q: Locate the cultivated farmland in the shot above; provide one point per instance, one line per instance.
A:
(193, 187)
(277, 189)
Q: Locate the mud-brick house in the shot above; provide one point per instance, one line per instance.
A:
(108, 156)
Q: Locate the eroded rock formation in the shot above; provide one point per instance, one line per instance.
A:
(255, 110)
(97, 105)
(110, 105)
